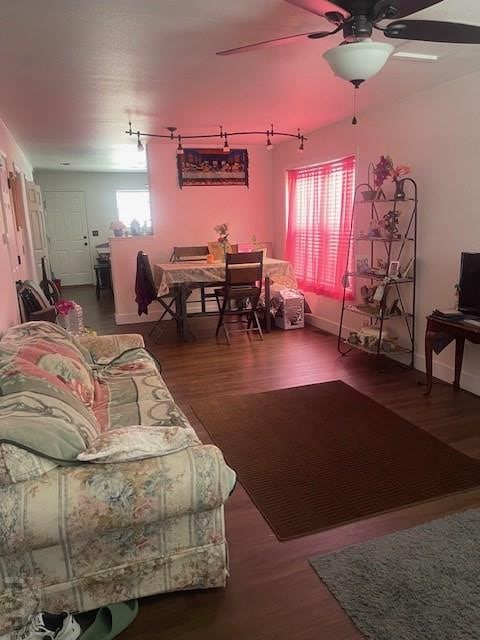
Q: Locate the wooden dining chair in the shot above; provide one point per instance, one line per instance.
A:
(193, 254)
(190, 254)
(240, 295)
(146, 292)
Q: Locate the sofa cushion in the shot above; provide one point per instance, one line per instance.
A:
(18, 465)
(138, 443)
(45, 425)
(130, 390)
(76, 503)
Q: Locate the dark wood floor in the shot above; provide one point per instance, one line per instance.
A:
(273, 594)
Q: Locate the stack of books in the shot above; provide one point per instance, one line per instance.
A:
(448, 314)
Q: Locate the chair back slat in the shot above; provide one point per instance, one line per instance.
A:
(244, 268)
(189, 253)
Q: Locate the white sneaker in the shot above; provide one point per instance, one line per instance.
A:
(46, 626)
(70, 629)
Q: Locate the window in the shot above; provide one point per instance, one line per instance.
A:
(134, 206)
(320, 201)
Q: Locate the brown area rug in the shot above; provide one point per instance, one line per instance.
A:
(323, 455)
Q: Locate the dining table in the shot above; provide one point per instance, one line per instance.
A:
(179, 279)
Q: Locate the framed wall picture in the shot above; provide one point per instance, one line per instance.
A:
(394, 269)
(210, 167)
(362, 264)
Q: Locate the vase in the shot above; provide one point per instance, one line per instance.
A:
(72, 321)
(399, 190)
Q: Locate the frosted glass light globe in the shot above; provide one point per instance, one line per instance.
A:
(358, 60)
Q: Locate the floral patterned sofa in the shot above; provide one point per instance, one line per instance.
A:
(75, 536)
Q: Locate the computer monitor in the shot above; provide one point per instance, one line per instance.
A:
(469, 284)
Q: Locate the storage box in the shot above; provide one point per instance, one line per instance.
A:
(290, 309)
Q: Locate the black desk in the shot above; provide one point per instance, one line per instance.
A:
(103, 277)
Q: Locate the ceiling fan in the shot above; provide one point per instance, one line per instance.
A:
(358, 57)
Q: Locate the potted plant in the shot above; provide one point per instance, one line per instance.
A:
(118, 228)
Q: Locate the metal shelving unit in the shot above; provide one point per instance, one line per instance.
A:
(398, 248)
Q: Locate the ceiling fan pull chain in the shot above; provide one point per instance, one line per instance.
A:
(354, 119)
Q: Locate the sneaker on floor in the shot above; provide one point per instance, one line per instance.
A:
(70, 629)
(47, 626)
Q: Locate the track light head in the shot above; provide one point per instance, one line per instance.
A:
(180, 150)
(140, 146)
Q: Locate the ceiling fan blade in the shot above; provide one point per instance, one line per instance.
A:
(321, 7)
(266, 44)
(433, 31)
(407, 7)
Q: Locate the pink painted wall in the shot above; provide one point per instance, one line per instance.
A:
(436, 132)
(187, 217)
(16, 159)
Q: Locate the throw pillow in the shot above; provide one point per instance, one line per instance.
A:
(137, 443)
(55, 362)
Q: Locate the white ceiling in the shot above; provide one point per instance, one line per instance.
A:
(74, 71)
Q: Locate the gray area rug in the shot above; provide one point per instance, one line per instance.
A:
(417, 584)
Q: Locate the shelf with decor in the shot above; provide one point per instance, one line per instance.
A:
(371, 312)
(388, 261)
(395, 350)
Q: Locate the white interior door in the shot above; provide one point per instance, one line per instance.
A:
(12, 235)
(37, 226)
(68, 236)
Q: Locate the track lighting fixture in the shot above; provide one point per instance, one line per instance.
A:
(226, 146)
(180, 151)
(172, 135)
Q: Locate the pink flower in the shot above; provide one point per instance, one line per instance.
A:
(399, 171)
(63, 307)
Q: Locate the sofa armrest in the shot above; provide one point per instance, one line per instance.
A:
(106, 497)
(109, 347)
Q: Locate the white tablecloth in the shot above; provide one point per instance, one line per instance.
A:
(168, 274)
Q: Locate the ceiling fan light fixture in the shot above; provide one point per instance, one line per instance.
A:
(358, 61)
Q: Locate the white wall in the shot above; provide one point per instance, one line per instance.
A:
(437, 133)
(187, 217)
(99, 189)
(16, 160)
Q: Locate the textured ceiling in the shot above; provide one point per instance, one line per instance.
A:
(74, 71)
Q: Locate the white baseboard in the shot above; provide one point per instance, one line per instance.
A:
(323, 323)
(468, 382)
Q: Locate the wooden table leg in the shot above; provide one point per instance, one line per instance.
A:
(97, 285)
(459, 347)
(429, 335)
(183, 311)
(268, 317)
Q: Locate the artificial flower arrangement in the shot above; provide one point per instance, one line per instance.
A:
(222, 231)
(385, 169)
(118, 227)
(64, 307)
